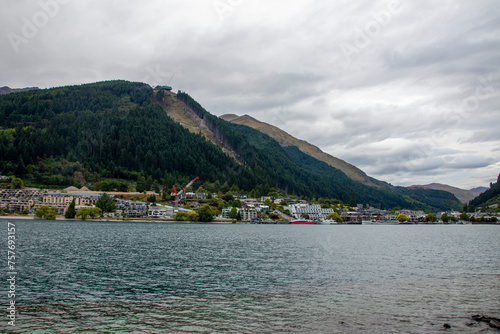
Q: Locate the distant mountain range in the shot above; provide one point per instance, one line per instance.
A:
(7, 90)
(463, 196)
(479, 190)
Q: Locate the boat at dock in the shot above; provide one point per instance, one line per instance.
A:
(380, 222)
(301, 221)
(328, 222)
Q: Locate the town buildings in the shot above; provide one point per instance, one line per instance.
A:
(130, 209)
(19, 200)
(313, 211)
(29, 200)
(61, 201)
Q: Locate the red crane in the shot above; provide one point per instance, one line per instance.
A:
(176, 194)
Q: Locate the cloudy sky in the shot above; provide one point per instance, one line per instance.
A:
(407, 91)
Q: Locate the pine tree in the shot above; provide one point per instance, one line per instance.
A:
(105, 203)
(141, 184)
(353, 203)
(233, 213)
(71, 212)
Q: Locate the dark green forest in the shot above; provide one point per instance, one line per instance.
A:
(489, 197)
(103, 130)
(90, 134)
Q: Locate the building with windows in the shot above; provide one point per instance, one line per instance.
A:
(160, 212)
(19, 200)
(313, 211)
(247, 213)
(130, 209)
(61, 201)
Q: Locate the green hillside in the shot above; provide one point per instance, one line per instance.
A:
(489, 197)
(78, 134)
(116, 130)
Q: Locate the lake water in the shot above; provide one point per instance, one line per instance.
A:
(100, 277)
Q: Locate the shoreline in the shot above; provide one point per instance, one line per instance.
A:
(132, 220)
(119, 220)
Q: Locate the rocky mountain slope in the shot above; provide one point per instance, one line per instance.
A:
(183, 114)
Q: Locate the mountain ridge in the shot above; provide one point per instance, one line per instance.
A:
(285, 140)
(463, 195)
(479, 190)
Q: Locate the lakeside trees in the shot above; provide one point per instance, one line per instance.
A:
(335, 216)
(45, 212)
(87, 212)
(105, 203)
(402, 217)
(430, 218)
(206, 213)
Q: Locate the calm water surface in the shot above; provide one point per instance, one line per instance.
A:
(99, 277)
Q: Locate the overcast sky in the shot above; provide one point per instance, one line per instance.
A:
(408, 91)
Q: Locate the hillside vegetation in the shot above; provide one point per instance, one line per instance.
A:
(81, 134)
(489, 197)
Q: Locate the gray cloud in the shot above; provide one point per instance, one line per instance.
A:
(385, 85)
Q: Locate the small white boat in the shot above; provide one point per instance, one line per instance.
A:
(328, 222)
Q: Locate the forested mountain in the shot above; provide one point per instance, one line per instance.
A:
(489, 197)
(83, 134)
(111, 129)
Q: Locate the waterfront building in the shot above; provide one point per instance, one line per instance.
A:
(247, 213)
(19, 200)
(61, 201)
(314, 211)
(130, 209)
(160, 212)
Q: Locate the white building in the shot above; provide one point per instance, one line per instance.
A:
(314, 211)
(130, 209)
(160, 212)
(248, 213)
